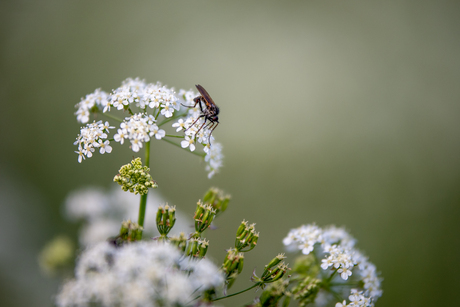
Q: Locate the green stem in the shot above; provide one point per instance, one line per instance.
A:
(330, 277)
(112, 117)
(174, 136)
(171, 118)
(147, 154)
(230, 295)
(175, 144)
(143, 201)
(156, 116)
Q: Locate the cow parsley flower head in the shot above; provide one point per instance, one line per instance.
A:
(149, 107)
(138, 274)
(339, 259)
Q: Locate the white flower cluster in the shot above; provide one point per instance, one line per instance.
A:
(340, 258)
(93, 136)
(213, 159)
(138, 129)
(98, 98)
(143, 95)
(101, 213)
(153, 100)
(336, 246)
(357, 299)
(147, 274)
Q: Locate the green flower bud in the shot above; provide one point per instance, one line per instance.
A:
(216, 198)
(204, 216)
(179, 241)
(246, 237)
(203, 248)
(56, 255)
(233, 263)
(272, 263)
(129, 232)
(273, 293)
(306, 290)
(165, 219)
(135, 178)
(271, 274)
(197, 247)
(242, 227)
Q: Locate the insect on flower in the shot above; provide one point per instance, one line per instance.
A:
(209, 111)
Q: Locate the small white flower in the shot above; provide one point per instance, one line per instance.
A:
(136, 145)
(167, 110)
(159, 133)
(81, 154)
(105, 147)
(343, 304)
(120, 136)
(213, 158)
(188, 142)
(180, 125)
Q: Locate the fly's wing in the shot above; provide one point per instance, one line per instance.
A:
(207, 98)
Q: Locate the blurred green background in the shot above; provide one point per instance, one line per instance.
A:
(334, 112)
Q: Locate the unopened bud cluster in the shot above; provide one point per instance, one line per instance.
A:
(197, 247)
(233, 265)
(130, 231)
(165, 220)
(305, 292)
(273, 294)
(246, 237)
(273, 271)
(179, 241)
(216, 198)
(135, 178)
(204, 215)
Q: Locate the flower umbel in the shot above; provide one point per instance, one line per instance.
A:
(341, 265)
(135, 178)
(150, 106)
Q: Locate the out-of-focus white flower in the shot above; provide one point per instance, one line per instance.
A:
(102, 212)
(88, 203)
(138, 274)
(304, 238)
(213, 158)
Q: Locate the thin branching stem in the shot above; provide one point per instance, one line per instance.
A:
(175, 144)
(230, 295)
